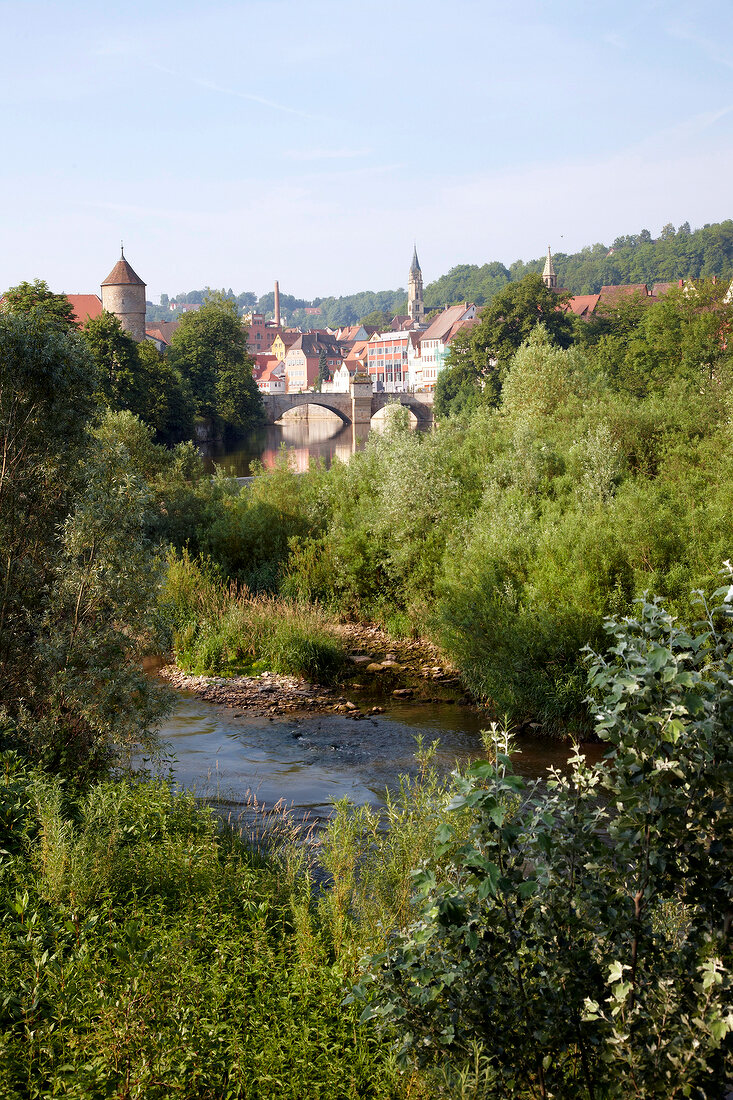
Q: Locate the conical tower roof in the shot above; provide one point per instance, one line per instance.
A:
(122, 274)
(549, 271)
(415, 265)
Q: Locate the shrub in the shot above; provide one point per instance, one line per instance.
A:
(580, 936)
(225, 630)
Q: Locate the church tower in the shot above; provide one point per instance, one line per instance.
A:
(123, 293)
(415, 305)
(549, 278)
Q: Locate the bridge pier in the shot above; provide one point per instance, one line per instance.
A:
(361, 399)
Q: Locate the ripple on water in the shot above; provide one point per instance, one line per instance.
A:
(309, 762)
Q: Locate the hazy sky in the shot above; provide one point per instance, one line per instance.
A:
(231, 144)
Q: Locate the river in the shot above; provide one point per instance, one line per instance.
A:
(310, 761)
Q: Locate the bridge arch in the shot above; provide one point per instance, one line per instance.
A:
(276, 405)
(321, 403)
(379, 415)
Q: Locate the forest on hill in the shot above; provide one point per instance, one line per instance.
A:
(680, 253)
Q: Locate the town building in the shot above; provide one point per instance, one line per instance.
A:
(435, 342)
(260, 333)
(272, 379)
(160, 333)
(302, 360)
(387, 359)
(549, 278)
(283, 341)
(86, 307)
(352, 333)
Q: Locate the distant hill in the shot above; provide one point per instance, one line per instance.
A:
(677, 254)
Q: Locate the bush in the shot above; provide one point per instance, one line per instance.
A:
(226, 631)
(148, 953)
(580, 936)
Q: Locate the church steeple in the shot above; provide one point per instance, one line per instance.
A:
(415, 305)
(549, 278)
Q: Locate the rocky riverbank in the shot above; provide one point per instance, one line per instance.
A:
(381, 671)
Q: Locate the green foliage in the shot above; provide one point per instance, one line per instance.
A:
(209, 348)
(152, 955)
(634, 258)
(168, 404)
(479, 356)
(36, 302)
(115, 353)
(682, 337)
(324, 374)
(224, 631)
(79, 569)
(580, 933)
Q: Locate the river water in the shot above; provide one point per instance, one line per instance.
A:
(309, 762)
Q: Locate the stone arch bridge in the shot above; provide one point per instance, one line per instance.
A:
(353, 408)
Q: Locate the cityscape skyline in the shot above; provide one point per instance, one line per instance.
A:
(316, 143)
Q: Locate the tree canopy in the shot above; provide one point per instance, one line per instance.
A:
(79, 573)
(36, 300)
(479, 356)
(209, 348)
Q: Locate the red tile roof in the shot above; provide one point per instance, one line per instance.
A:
(441, 326)
(162, 330)
(275, 370)
(610, 294)
(582, 305)
(86, 307)
(122, 275)
(660, 289)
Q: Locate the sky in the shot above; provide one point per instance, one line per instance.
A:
(314, 141)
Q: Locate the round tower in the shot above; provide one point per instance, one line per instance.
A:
(123, 293)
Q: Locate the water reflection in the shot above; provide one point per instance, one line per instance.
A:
(319, 435)
(324, 438)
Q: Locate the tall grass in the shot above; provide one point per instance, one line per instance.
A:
(146, 952)
(224, 630)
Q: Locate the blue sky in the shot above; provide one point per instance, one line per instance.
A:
(313, 141)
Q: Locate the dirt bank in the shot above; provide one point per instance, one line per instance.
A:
(383, 671)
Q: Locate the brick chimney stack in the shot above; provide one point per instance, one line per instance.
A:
(277, 303)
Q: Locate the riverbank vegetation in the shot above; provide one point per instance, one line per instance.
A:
(220, 630)
(571, 941)
(148, 952)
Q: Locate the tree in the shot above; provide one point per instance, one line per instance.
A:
(683, 337)
(578, 936)
(209, 348)
(79, 575)
(479, 357)
(168, 404)
(37, 301)
(324, 374)
(115, 353)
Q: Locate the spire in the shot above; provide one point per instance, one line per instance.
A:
(415, 305)
(549, 278)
